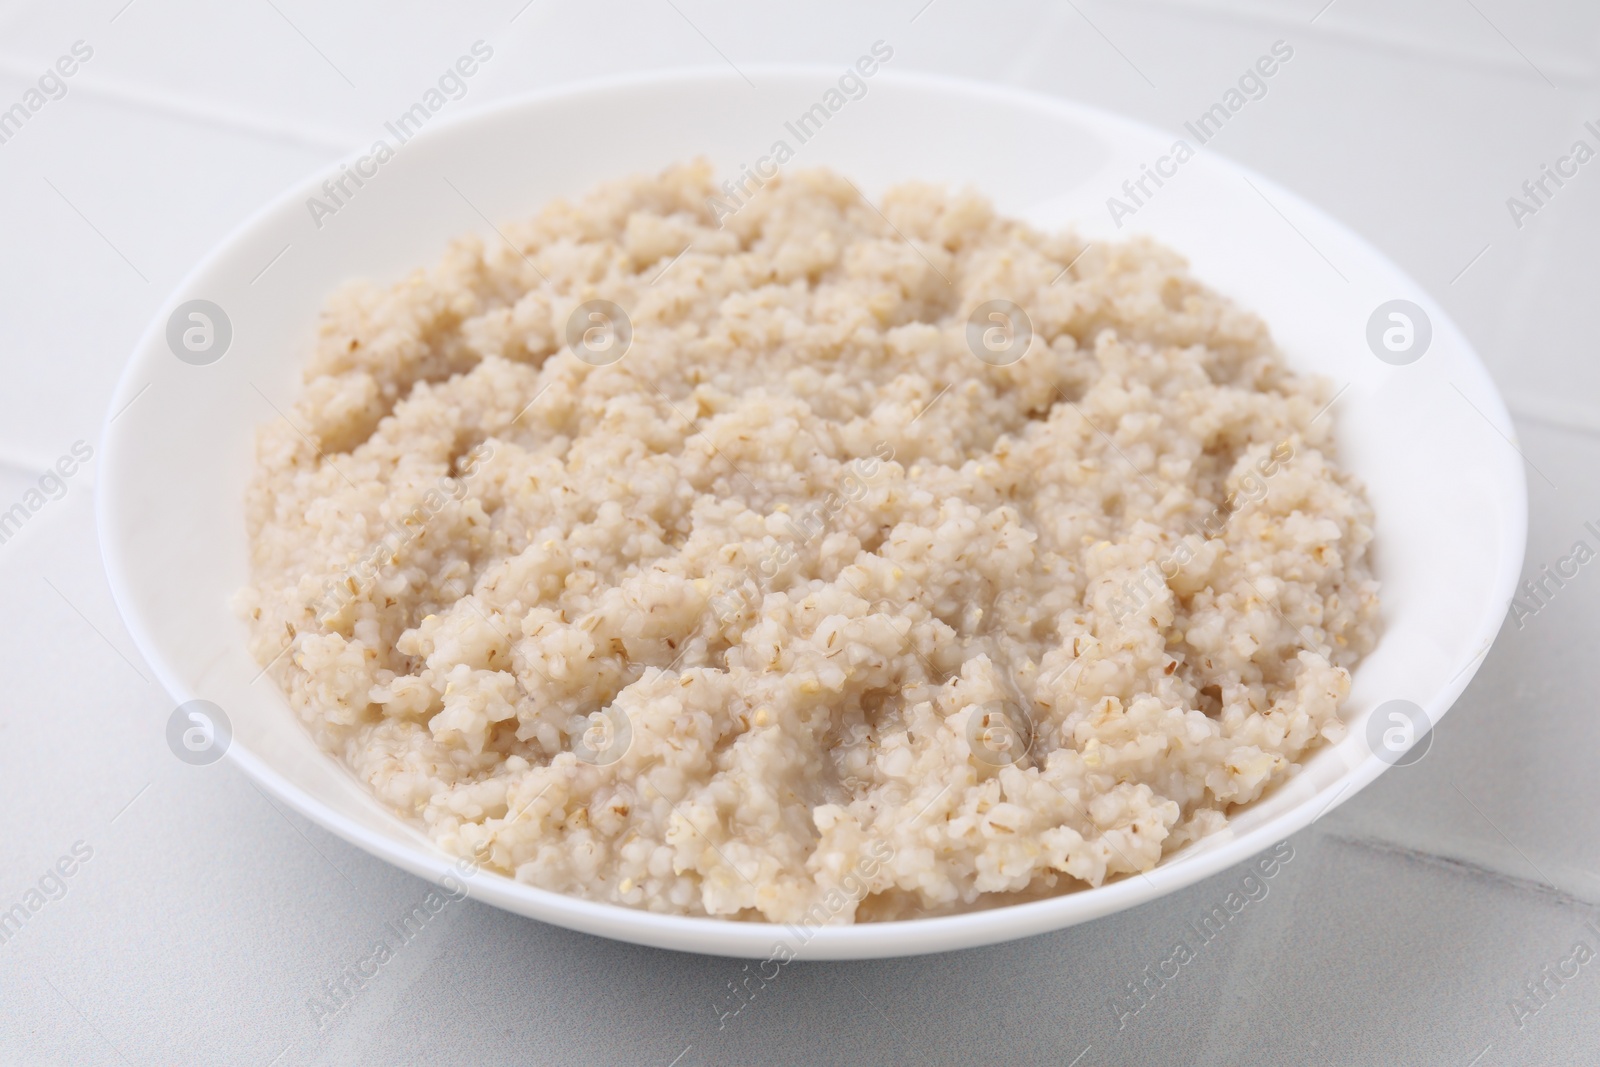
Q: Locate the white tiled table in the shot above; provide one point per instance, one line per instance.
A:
(205, 918)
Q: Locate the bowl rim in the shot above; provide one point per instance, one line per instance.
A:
(757, 940)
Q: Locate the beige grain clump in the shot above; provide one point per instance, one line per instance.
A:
(737, 625)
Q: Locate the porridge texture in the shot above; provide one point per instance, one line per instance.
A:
(800, 611)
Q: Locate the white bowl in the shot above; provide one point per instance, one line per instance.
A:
(1431, 439)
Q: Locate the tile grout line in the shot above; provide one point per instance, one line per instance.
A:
(24, 467)
(1464, 867)
(175, 107)
(1520, 412)
(1571, 77)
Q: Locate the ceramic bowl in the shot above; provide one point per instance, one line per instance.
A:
(1422, 426)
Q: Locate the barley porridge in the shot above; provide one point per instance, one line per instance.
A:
(779, 594)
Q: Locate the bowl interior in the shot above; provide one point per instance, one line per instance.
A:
(1430, 439)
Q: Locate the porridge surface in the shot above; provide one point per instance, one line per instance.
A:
(800, 611)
